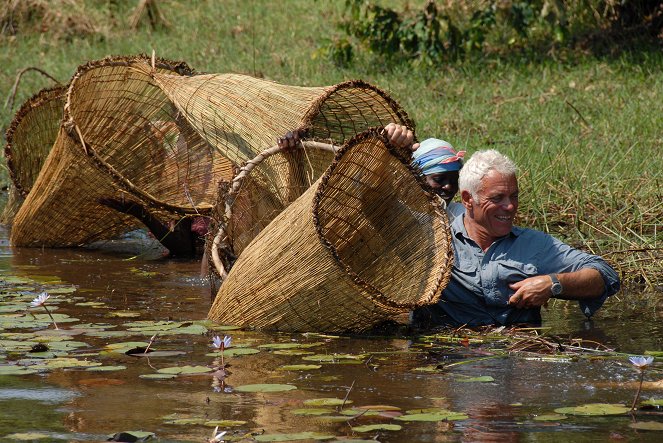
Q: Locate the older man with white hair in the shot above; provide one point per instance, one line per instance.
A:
(502, 273)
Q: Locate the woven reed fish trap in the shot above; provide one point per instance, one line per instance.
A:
(366, 242)
(242, 116)
(30, 137)
(122, 140)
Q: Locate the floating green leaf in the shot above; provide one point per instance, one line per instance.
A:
(27, 436)
(224, 423)
(185, 421)
(106, 368)
(326, 402)
(290, 345)
(647, 425)
(652, 402)
(294, 436)
(123, 347)
(594, 409)
(234, 352)
(378, 427)
(429, 368)
(265, 387)
(298, 367)
(123, 314)
(185, 370)
(434, 416)
(292, 352)
(550, 417)
(481, 379)
(17, 370)
(335, 358)
(312, 411)
(157, 376)
(654, 353)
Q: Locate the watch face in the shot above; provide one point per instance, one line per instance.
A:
(556, 288)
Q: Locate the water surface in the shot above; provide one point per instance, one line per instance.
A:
(395, 370)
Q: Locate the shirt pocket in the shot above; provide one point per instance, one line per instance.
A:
(504, 273)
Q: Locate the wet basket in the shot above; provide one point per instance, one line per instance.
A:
(364, 243)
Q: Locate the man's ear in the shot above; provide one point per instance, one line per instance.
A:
(466, 199)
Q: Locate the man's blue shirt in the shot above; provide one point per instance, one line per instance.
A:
(478, 292)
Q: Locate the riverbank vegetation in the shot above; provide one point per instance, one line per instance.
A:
(574, 98)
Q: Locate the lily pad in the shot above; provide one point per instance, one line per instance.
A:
(185, 421)
(27, 436)
(61, 363)
(656, 402)
(265, 387)
(292, 352)
(377, 427)
(647, 425)
(185, 370)
(157, 376)
(106, 368)
(326, 402)
(123, 314)
(312, 411)
(290, 345)
(294, 436)
(123, 347)
(298, 367)
(17, 370)
(434, 416)
(335, 358)
(594, 409)
(550, 417)
(481, 379)
(224, 423)
(234, 352)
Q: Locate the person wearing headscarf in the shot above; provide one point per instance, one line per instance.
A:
(437, 160)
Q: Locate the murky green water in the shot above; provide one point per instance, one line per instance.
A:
(495, 398)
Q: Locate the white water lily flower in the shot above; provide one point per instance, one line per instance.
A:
(218, 437)
(222, 343)
(39, 301)
(640, 361)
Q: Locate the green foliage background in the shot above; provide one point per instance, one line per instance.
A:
(586, 129)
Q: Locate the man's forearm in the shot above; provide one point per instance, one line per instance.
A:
(581, 284)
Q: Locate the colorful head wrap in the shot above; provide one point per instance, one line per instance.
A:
(434, 155)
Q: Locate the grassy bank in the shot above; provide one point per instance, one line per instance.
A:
(587, 134)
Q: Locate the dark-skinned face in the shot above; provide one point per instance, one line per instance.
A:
(444, 184)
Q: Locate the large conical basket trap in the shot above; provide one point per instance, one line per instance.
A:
(30, 138)
(364, 243)
(122, 142)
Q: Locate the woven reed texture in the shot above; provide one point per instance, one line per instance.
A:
(364, 243)
(31, 135)
(249, 114)
(30, 138)
(122, 139)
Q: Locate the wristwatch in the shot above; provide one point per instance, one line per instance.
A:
(556, 287)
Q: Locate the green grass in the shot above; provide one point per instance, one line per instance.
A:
(587, 134)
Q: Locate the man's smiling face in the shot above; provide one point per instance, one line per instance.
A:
(492, 216)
